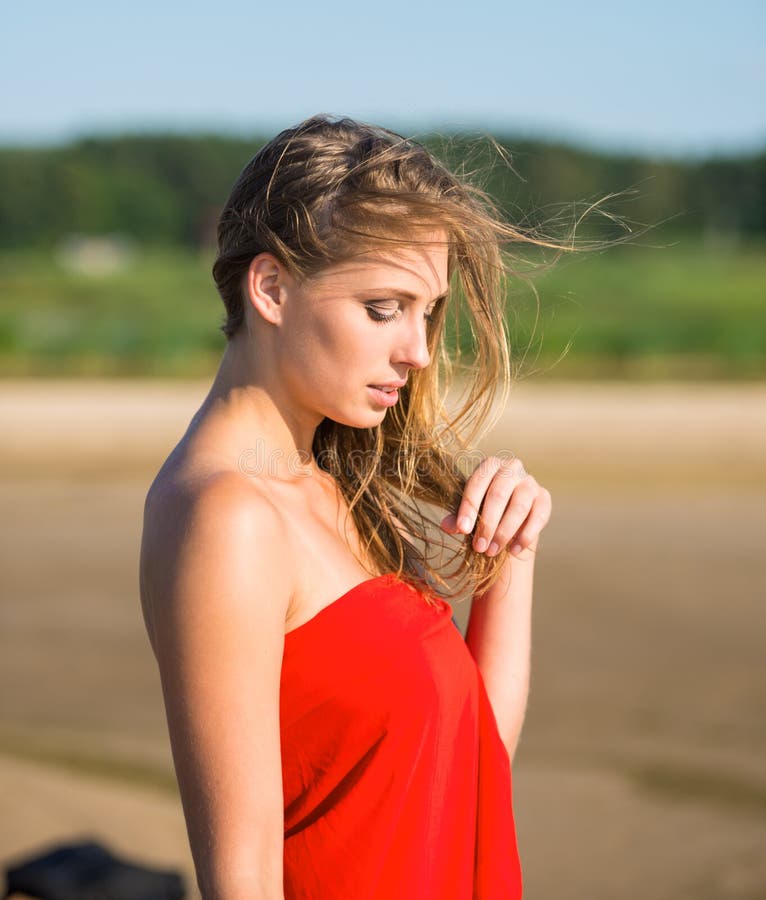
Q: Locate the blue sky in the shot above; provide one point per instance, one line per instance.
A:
(666, 77)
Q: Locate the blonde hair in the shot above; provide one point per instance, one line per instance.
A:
(316, 195)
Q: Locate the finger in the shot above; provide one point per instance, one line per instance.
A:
(515, 515)
(506, 506)
(538, 518)
(449, 523)
(473, 494)
(475, 489)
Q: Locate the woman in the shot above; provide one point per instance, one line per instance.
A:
(333, 735)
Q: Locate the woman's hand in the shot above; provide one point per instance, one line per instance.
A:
(510, 506)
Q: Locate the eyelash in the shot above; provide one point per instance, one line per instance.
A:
(381, 317)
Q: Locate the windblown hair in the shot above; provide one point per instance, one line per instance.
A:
(322, 192)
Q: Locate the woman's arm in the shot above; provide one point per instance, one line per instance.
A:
(506, 506)
(499, 638)
(216, 590)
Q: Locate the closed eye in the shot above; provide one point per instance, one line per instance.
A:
(378, 315)
(386, 314)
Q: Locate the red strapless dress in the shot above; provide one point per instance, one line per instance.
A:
(397, 785)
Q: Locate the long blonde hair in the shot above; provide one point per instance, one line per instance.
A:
(315, 196)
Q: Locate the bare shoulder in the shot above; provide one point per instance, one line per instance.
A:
(213, 539)
(215, 590)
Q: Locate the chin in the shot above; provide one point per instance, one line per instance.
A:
(364, 419)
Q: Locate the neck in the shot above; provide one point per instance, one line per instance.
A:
(253, 416)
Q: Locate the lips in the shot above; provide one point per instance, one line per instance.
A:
(384, 394)
(391, 386)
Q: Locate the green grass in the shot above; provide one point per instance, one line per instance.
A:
(688, 310)
(640, 311)
(159, 316)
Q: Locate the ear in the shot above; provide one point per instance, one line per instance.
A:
(265, 285)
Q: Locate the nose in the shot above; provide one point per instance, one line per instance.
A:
(412, 348)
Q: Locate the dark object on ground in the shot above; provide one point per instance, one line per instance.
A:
(88, 871)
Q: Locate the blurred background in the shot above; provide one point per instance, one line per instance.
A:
(639, 402)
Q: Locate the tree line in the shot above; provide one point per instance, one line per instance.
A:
(168, 189)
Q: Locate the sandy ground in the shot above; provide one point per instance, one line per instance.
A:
(641, 772)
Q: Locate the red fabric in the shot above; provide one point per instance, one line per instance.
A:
(396, 782)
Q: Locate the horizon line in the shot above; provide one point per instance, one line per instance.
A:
(266, 128)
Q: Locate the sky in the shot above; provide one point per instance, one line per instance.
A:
(657, 77)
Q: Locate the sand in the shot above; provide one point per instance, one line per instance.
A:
(641, 770)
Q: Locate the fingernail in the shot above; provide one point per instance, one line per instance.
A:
(493, 548)
(481, 545)
(464, 524)
(517, 548)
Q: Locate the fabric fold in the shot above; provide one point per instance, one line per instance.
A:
(396, 782)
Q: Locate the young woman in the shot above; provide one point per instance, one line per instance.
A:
(333, 734)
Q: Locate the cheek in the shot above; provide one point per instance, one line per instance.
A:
(343, 340)
(335, 344)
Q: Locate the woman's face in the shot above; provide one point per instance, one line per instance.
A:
(350, 335)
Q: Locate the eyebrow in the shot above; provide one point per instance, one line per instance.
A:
(385, 293)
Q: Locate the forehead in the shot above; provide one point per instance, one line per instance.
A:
(419, 269)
